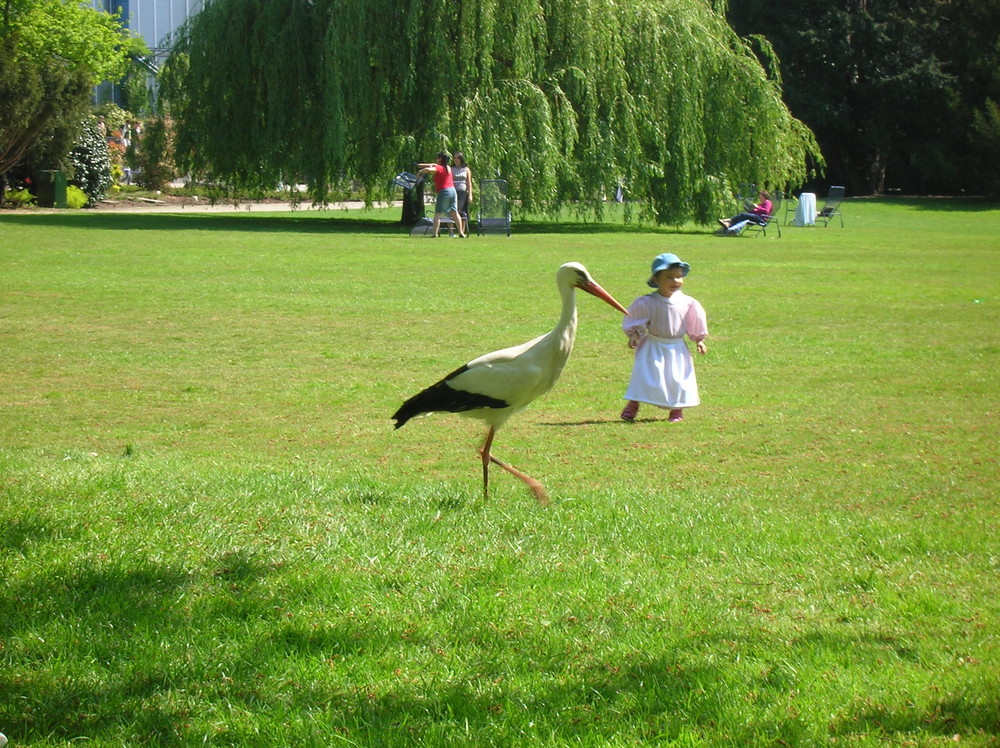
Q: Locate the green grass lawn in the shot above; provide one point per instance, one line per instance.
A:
(210, 533)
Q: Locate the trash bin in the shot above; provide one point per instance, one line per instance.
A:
(52, 189)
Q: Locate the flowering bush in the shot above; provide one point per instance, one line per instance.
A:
(116, 151)
(91, 162)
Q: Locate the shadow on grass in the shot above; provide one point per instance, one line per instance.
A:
(609, 421)
(595, 422)
(942, 204)
(579, 227)
(944, 719)
(153, 650)
(19, 533)
(313, 222)
(90, 647)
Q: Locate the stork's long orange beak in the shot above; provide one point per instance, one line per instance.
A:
(595, 289)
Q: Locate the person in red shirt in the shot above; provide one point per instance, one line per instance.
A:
(447, 199)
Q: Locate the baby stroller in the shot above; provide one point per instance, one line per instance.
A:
(414, 210)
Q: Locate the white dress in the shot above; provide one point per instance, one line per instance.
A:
(663, 370)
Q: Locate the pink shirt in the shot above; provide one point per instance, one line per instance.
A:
(764, 209)
(666, 317)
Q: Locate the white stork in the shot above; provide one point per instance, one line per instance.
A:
(494, 387)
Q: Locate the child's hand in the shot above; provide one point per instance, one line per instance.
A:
(702, 348)
(635, 339)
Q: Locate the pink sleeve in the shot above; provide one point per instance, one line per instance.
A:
(637, 319)
(696, 323)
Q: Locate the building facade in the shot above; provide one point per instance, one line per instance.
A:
(153, 20)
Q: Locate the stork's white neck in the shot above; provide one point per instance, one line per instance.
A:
(566, 328)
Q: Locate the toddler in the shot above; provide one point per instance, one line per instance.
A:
(663, 370)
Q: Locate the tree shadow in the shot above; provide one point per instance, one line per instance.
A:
(234, 629)
(937, 204)
(593, 422)
(608, 227)
(977, 712)
(105, 659)
(316, 223)
(944, 718)
(609, 421)
(305, 222)
(17, 533)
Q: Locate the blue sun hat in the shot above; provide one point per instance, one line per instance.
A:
(664, 261)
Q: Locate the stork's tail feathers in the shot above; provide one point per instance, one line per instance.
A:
(412, 408)
(443, 398)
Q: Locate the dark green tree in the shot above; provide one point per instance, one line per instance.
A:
(567, 99)
(41, 106)
(986, 139)
(51, 55)
(970, 43)
(154, 156)
(889, 87)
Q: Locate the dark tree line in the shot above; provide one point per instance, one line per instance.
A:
(902, 96)
(570, 98)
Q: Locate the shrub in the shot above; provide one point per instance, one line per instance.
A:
(19, 198)
(154, 155)
(75, 197)
(114, 116)
(91, 162)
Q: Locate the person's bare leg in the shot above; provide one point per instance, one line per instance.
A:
(458, 222)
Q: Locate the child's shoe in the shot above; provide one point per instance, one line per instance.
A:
(628, 413)
(675, 415)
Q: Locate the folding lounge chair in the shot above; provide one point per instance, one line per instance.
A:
(791, 205)
(494, 207)
(831, 207)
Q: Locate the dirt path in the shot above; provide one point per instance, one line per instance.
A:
(172, 204)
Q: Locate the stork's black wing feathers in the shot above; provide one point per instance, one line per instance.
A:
(443, 398)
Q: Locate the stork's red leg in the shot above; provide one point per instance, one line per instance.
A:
(536, 488)
(485, 454)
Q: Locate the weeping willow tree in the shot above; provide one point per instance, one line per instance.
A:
(566, 99)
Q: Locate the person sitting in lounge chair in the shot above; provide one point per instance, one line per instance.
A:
(757, 214)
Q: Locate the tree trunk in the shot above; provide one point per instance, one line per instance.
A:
(876, 181)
